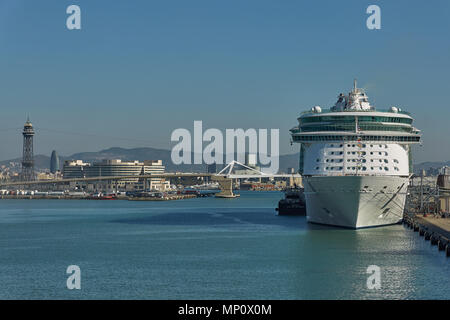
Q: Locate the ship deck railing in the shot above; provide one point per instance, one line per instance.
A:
(329, 110)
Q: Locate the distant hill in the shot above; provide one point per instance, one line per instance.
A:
(40, 161)
(286, 161)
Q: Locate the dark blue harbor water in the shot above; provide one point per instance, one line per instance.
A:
(205, 248)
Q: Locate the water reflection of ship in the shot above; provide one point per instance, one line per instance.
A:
(293, 203)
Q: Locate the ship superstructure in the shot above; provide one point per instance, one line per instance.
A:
(355, 161)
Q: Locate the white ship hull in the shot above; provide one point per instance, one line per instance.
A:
(355, 201)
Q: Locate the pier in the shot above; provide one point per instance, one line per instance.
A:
(432, 228)
(163, 197)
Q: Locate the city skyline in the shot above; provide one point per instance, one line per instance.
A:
(136, 72)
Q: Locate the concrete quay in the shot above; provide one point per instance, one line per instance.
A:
(169, 197)
(433, 229)
(67, 197)
(30, 197)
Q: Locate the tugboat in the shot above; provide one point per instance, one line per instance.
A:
(293, 203)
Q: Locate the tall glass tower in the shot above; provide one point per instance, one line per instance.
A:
(54, 162)
(28, 158)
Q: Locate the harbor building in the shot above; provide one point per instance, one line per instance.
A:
(117, 167)
(156, 167)
(74, 169)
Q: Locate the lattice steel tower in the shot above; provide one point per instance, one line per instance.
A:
(28, 158)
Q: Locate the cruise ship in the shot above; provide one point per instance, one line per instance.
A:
(355, 161)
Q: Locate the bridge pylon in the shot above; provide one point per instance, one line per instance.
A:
(226, 187)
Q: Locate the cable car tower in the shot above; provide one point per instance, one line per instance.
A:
(28, 158)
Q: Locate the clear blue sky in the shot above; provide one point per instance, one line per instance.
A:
(140, 69)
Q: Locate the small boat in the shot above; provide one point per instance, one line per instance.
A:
(100, 196)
